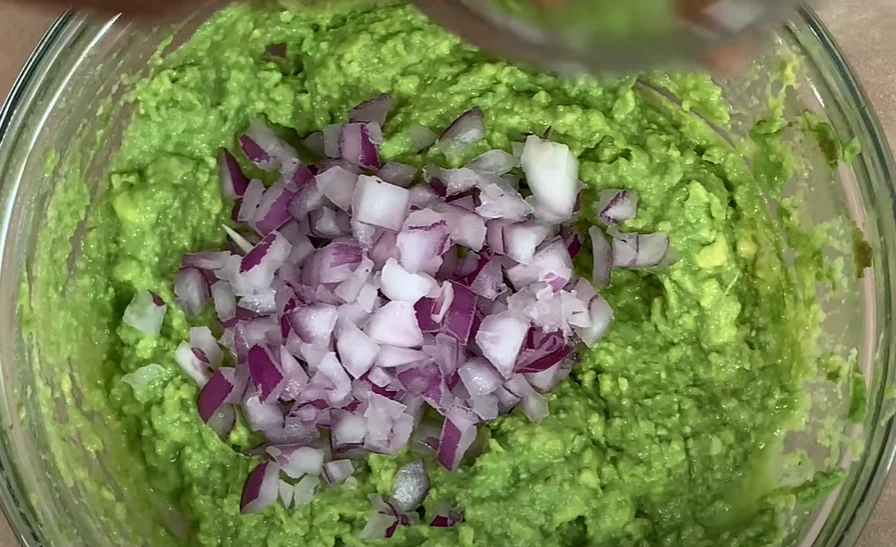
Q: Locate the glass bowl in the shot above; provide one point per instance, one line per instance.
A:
(64, 118)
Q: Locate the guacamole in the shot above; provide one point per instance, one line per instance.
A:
(668, 432)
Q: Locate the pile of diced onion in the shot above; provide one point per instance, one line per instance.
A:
(358, 292)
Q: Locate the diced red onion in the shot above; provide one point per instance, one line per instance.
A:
(302, 248)
(399, 174)
(265, 374)
(466, 130)
(206, 260)
(550, 262)
(328, 223)
(466, 228)
(422, 196)
(455, 181)
(399, 284)
(616, 206)
(446, 517)
(459, 317)
(573, 242)
(338, 185)
(285, 491)
(640, 250)
(314, 142)
(487, 407)
(550, 352)
(332, 137)
(497, 199)
(313, 323)
(603, 257)
(423, 240)
(349, 430)
(264, 148)
(272, 212)
(221, 388)
(552, 174)
(225, 301)
(297, 460)
(294, 375)
(488, 282)
(395, 324)
(601, 316)
(480, 377)
(238, 241)
(191, 290)
(392, 356)
(307, 199)
(251, 198)
(535, 406)
(223, 421)
(305, 490)
(233, 181)
(261, 488)
(421, 136)
(339, 260)
(205, 346)
(376, 109)
(335, 472)
(458, 434)
(146, 312)
(356, 350)
(495, 162)
(522, 239)
(379, 526)
(357, 145)
(500, 338)
(350, 289)
(379, 203)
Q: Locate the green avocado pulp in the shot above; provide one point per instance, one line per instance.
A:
(667, 432)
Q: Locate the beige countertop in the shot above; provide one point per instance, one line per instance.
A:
(865, 29)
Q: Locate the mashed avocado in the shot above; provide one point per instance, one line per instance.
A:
(665, 434)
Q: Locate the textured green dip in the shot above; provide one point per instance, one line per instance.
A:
(668, 433)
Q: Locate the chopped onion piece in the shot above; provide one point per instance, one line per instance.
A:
(458, 434)
(395, 324)
(421, 136)
(601, 316)
(233, 181)
(552, 174)
(495, 162)
(480, 377)
(146, 312)
(379, 203)
(603, 257)
(616, 206)
(499, 200)
(356, 350)
(466, 130)
(399, 174)
(191, 290)
(196, 369)
(335, 472)
(640, 250)
(338, 185)
(522, 239)
(399, 284)
(260, 488)
(305, 490)
(535, 407)
(376, 109)
(501, 338)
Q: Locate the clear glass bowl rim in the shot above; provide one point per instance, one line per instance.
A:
(844, 525)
